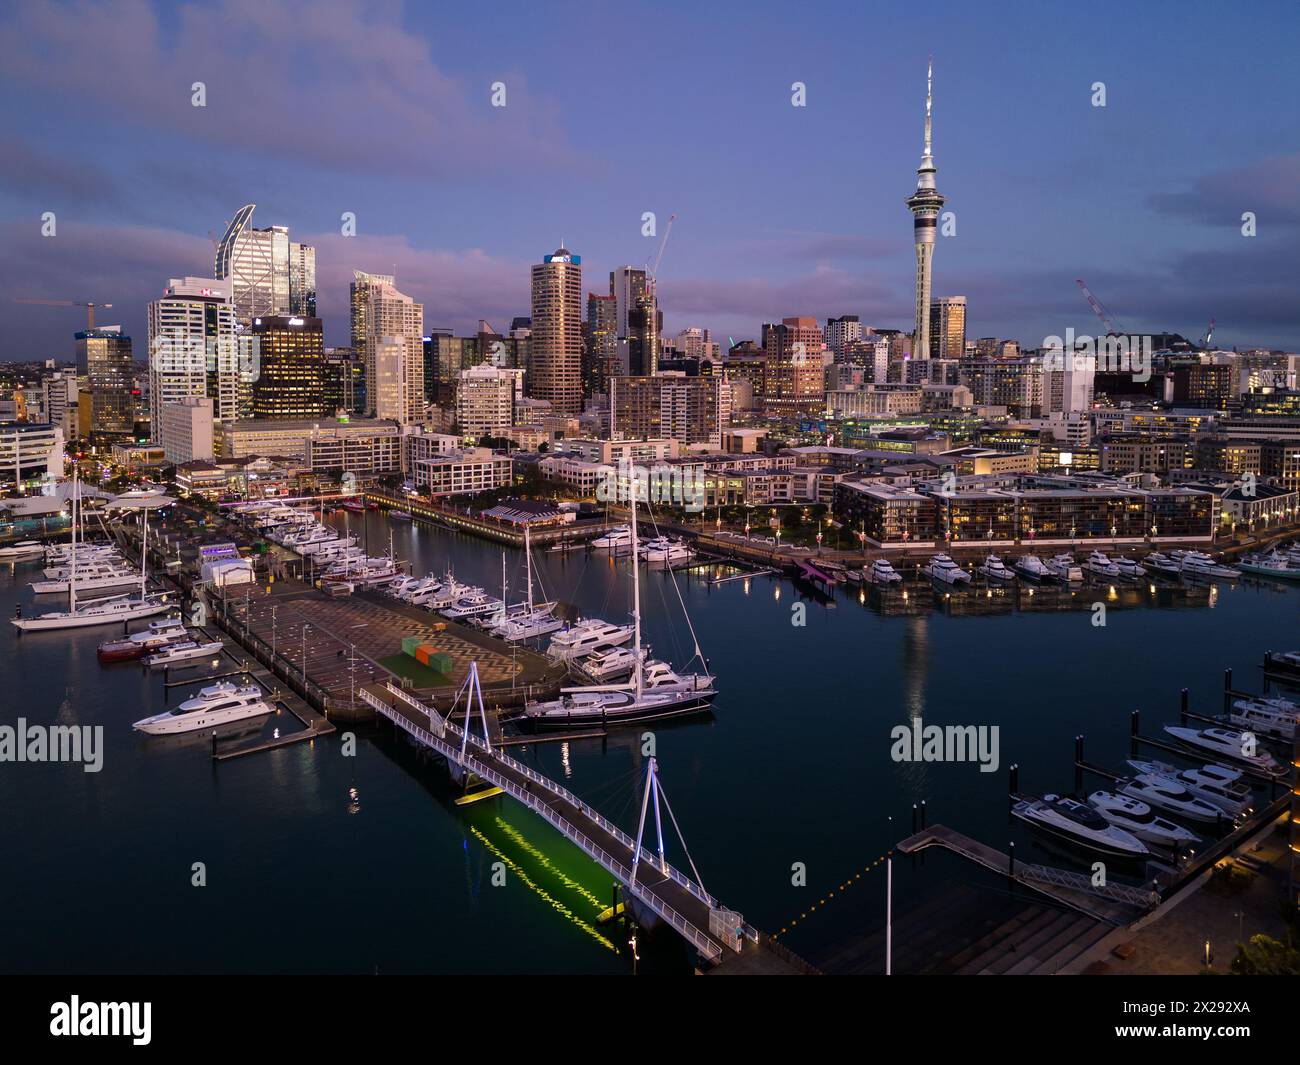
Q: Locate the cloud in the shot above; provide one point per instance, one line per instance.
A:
(1269, 187)
(337, 84)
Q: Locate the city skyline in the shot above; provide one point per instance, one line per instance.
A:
(136, 180)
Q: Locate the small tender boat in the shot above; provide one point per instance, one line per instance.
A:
(400, 515)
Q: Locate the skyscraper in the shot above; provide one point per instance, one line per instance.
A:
(194, 350)
(602, 342)
(792, 374)
(925, 204)
(841, 332)
(291, 378)
(104, 405)
(948, 327)
(627, 285)
(380, 313)
(645, 325)
(556, 370)
(267, 273)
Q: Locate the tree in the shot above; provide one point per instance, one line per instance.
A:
(1265, 956)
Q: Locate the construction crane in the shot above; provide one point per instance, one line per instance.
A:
(90, 307)
(653, 271)
(1209, 334)
(1097, 308)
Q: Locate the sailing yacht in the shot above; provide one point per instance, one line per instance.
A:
(673, 694)
(528, 619)
(104, 611)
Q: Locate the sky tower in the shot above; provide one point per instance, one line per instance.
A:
(925, 204)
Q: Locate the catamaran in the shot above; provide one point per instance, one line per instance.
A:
(104, 611)
(673, 694)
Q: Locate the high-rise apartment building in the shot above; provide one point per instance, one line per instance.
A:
(627, 285)
(105, 405)
(291, 378)
(265, 272)
(925, 204)
(670, 406)
(948, 327)
(556, 339)
(793, 382)
(343, 383)
(485, 400)
(602, 360)
(380, 313)
(841, 332)
(645, 325)
(194, 350)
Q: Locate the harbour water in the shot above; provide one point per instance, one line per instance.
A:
(319, 862)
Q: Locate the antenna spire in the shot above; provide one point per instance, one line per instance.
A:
(929, 100)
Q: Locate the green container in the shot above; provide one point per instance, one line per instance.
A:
(440, 663)
(409, 644)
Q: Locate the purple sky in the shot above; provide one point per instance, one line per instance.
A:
(383, 109)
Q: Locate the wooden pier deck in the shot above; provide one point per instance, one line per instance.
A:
(1116, 904)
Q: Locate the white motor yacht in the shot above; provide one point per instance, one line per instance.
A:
(586, 636)
(476, 604)
(1101, 566)
(881, 571)
(1218, 785)
(996, 570)
(609, 665)
(539, 621)
(1266, 716)
(1199, 564)
(207, 712)
(1129, 567)
(664, 549)
(615, 538)
(1161, 563)
(1227, 743)
(184, 651)
(1133, 815)
(1033, 568)
(1166, 793)
(943, 569)
(1065, 568)
(1075, 822)
(23, 549)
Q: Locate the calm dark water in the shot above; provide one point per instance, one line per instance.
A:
(319, 862)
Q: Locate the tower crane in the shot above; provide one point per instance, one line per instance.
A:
(652, 271)
(1106, 322)
(90, 307)
(1209, 334)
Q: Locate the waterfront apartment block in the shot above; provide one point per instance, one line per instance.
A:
(357, 445)
(690, 410)
(1036, 511)
(613, 452)
(186, 430)
(462, 472)
(29, 453)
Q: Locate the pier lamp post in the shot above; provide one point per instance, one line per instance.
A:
(273, 609)
(304, 655)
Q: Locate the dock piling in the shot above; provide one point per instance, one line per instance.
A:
(1134, 725)
(1227, 690)
(1078, 764)
(1182, 707)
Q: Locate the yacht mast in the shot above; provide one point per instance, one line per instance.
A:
(144, 548)
(72, 575)
(636, 596)
(528, 561)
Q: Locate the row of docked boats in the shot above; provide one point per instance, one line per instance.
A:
(1061, 568)
(164, 642)
(79, 569)
(657, 549)
(1282, 563)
